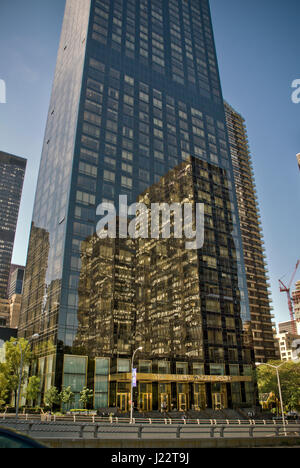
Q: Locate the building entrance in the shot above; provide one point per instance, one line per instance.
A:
(219, 396)
(182, 397)
(146, 402)
(218, 401)
(122, 402)
(182, 402)
(164, 402)
(164, 397)
(199, 397)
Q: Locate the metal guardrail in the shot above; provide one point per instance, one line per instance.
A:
(160, 421)
(54, 430)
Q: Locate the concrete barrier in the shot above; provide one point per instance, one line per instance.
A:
(270, 442)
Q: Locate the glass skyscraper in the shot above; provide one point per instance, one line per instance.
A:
(137, 100)
(12, 172)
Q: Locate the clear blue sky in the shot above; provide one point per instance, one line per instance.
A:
(258, 50)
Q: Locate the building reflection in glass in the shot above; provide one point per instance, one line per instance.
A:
(182, 306)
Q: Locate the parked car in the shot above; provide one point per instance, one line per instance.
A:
(12, 439)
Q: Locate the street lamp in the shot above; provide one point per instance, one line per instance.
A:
(34, 337)
(132, 361)
(279, 388)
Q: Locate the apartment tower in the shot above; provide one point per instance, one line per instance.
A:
(252, 238)
(136, 95)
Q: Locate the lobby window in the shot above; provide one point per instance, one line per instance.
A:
(101, 382)
(75, 374)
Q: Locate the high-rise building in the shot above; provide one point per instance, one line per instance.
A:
(296, 301)
(137, 100)
(16, 278)
(252, 238)
(4, 312)
(289, 327)
(287, 341)
(12, 171)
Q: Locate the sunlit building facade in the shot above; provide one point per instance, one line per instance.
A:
(296, 301)
(137, 94)
(264, 341)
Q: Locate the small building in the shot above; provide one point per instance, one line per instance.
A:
(5, 335)
(286, 340)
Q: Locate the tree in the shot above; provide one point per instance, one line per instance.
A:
(67, 396)
(4, 388)
(13, 361)
(33, 388)
(289, 374)
(85, 396)
(52, 397)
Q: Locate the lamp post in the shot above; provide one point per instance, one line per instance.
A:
(279, 388)
(23, 352)
(132, 362)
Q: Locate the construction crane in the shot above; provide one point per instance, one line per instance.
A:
(287, 290)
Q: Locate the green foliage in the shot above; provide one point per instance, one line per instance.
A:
(3, 388)
(67, 396)
(289, 374)
(11, 367)
(52, 397)
(85, 396)
(33, 388)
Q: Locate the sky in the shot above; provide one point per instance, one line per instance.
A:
(258, 51)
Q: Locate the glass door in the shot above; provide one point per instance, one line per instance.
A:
(218, 401)
(182, 402)
(197, 401)
(199, 397)
(164, 402)
(146, 402)
(122, 402)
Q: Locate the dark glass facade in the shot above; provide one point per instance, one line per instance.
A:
(12, 172)
(16, 277)
(136, 95)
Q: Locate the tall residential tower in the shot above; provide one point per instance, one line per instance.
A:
(137, 102)
(252, 238)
